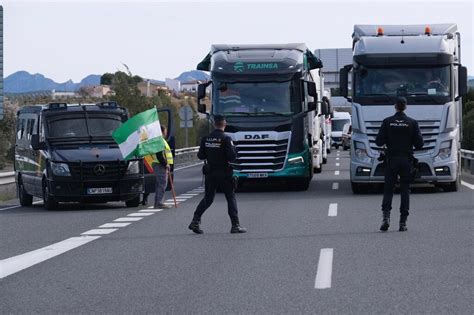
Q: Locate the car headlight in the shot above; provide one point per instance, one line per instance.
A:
(360, 152)
(444, 151)
(296, 160)
(133, 167)
(60, 169)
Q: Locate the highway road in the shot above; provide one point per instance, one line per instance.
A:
(317, 251)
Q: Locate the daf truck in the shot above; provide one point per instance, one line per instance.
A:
(270, 100)
(423, 64)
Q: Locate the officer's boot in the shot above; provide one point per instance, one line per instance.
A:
(403, 223)
(385, 221)
(194, 226)
(236, 228)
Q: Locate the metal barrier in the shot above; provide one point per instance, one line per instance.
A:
(467, 158)
(186, 155)
(7, 178)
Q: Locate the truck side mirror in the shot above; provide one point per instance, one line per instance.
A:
(36, 144)
(201, 93)
(312, 89)
(462, 80)
(344, 80)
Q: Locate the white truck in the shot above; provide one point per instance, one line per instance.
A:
(423, 64)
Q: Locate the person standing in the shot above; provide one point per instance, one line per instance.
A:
(400, 134)
(161, 168)
(218, 152)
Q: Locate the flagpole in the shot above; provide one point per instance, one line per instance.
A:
(172, 188)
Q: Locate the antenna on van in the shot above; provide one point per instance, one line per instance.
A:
(402, 41)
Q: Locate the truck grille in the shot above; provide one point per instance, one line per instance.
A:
(260, 155)
(93, 170)
(429, 130)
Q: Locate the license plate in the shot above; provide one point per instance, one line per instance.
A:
(101, 190)
(257, 175)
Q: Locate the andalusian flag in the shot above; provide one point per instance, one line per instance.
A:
(140, 135)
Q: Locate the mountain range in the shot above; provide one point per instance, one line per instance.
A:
(25, 82)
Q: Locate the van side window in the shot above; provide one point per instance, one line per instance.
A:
(20, 128)
(30, 128)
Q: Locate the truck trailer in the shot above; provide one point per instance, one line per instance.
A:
(270, 100)
(423, 64)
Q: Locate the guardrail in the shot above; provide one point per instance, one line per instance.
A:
(7, 178)
(467, 158)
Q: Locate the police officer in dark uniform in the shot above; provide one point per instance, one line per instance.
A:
(218, 151)
(400, 134)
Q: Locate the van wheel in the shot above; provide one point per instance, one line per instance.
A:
(26, 200)
(49, 202)
(132, 203)
(345, 148)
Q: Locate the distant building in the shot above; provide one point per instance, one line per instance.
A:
(333, 60)
(191, 86)
(150, 89)
(173, 85)
(63, 94)
(99, 91)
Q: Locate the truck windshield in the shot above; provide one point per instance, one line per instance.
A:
(78, 126)
(403, 81)
(338, 124)
(256, 98)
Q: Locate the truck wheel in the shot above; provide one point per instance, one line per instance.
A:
(132, 203)
(452, 186)
(48, 201)
(318, 170)
(345, 148)
(328, 151)
(325, 160)
(26, 200)
(336, 146)
(358, 188)
(300, 184)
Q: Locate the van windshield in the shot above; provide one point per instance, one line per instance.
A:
(76, 127)
(338, 124)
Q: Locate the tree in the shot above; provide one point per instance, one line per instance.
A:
(106, 78)
(7, 129)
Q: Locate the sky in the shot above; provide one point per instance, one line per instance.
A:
(71, 39)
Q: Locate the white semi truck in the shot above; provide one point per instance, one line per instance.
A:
(423, 64)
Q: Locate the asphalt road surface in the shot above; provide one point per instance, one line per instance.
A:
(317, 251)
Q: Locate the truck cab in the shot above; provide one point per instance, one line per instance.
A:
(270, 99)
(423, 64)
(65, 153)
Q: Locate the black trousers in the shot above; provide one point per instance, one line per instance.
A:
(224, 181)
(397, 167)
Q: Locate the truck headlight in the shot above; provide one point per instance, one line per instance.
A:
(60, 169)
(360, 152)
(296, 160)
(444, 151)
(133, 167)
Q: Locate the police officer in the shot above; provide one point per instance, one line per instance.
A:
(400, 134)
(218, 151)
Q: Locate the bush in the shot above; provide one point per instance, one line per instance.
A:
(468, 131)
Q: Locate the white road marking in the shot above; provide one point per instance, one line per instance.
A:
(335, 185)
(139, 214)
(190, 195)
(336, 172)
(337, 159)
(177, 200)
(129, 219)
(114, 225)
(18, 206)
(332, 210)
(471, 186)
(324, 273)
(338, 164)
(15, 264)
(99, 231)
(151, 210)
(337, 154)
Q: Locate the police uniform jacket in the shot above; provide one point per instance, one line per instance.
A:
(400, 133)
(218, 150)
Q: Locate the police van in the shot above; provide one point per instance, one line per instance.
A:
(65, 153)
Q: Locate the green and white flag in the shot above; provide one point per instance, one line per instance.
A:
(140, 135)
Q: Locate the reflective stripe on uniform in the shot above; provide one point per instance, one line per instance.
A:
(168, 153)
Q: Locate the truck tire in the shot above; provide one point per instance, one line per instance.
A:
(318, 170)
(48, 201)
(358, 188)
(26, 200)
(325, 160)
(328, 151)
(132, 203)
(345, 148)
(452, 186)
(300, 184)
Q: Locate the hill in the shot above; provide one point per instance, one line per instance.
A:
(193, 75)
(23, 82)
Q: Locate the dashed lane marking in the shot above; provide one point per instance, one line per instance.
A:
(324, 272)
(114, 225)
(338, 164)
(335, 185)
(332, 212)
(139, 214)
(150, 210)
(15, 264)
(337, 159)
(128, 219)
(336, 173)
(99, 231)
(471, 186)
